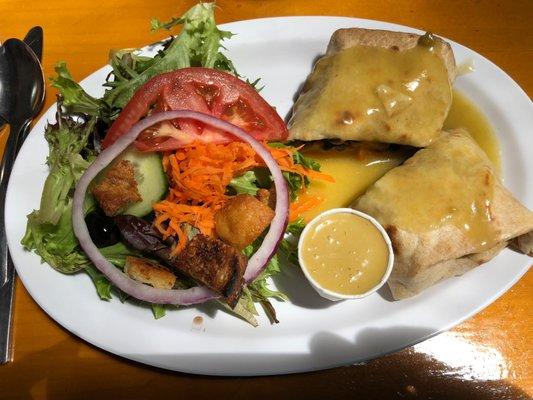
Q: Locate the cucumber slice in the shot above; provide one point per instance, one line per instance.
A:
(151, 180)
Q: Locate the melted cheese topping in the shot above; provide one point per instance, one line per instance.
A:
(375, 94)
(345, 253)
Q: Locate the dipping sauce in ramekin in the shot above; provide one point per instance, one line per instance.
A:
(345, 254)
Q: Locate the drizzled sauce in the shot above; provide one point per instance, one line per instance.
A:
(449, 183)
(375, 94)
(356, 167)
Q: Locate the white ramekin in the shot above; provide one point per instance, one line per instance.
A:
(331, 295)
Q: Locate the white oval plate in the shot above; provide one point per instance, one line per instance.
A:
(313, 333)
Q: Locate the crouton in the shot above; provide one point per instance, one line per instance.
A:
(118, 189)
(214, 264)
(147, 272)
(242, 220)
(267, 197)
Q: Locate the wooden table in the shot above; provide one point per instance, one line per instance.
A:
(487, 357)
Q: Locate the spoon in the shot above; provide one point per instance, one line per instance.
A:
(21, 98)
(34, 40)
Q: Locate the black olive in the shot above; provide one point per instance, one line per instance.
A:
(102, 229)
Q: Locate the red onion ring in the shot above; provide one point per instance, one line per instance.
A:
(256, 264)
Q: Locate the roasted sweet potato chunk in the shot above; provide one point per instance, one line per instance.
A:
(242, 220)
(118, 188)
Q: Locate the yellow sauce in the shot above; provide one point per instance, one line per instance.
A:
(374, 94)
(450, 182)
(465, 114)
(345, 253)
(359, 165)
(354, 169)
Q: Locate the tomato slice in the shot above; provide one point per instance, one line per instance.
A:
(205, 90)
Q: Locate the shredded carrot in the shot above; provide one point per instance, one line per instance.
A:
(305, 202)
(198, 176)
(283, 157)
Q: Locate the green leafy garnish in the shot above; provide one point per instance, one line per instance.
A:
(103, 286)
(197, 45)
(245, 307)
(296, 227)
(246, 183)
(56, 244)
(117, 253)
(75, 99)
(49, 230)
(67, 140)
(296, 182)
(288, 247)
(259, 288)
(307, 162)
(159, 310)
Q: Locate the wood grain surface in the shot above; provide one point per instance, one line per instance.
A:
(487, 357)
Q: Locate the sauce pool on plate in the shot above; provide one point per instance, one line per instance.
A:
(344, 254)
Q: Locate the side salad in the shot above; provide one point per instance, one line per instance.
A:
(176, 181)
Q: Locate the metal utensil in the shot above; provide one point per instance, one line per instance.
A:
(21, 98)
(34, 39)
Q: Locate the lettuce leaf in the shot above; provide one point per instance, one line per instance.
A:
(102, 285)
(200, 36)
(49, 230)
(198, 44)
(67, 140)
(296, 227)
(288, 247)
(159, 310)
(56, 244)
(307, 162)
(246, 183)
(259, 287)
(296, 182)
(245, 307)
(117, 253)
(75, 99)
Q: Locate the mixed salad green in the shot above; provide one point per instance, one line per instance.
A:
(74, 143)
